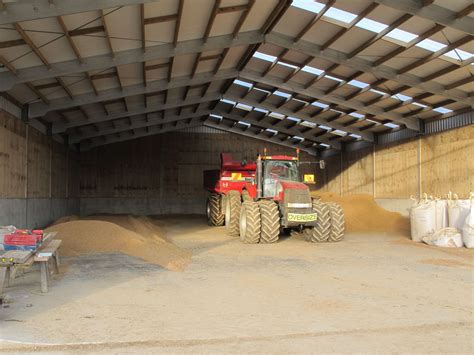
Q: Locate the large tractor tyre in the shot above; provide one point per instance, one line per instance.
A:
(232, 213)
(270, 216)
(337, 222)
(246, 196)
(250, 223)
(215, 216)
(321, 232)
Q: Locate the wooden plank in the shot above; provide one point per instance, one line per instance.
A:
(357, 174)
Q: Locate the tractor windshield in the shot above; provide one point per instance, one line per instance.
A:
(278, 170)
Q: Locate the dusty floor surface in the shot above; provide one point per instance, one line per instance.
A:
(369, 293)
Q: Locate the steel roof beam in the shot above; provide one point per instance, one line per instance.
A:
(100, 62)
(60, 127)
(27, 10)
(302, 116)
(40, 109)
(366, 66)
(281, 129)
(432, 13)
(232, 129)
(126, 126)
(144, 132)
(319, 94)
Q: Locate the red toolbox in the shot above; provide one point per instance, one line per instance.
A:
(22, 239)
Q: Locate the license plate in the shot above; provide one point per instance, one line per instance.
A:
(298, 217)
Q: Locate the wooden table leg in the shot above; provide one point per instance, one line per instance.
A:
(56, 263)
(3, 274)
(44, 276)
(6, 280)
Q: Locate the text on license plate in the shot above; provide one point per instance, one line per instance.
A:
(298, 217)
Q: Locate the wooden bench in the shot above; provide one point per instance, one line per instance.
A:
(12, 261)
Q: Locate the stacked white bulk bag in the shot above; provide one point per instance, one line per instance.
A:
(468, 228)
(441, 211)
(422, 218)
(445, 237)
(458, 210)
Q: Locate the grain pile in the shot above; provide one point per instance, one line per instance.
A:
(135, 236)
(363, 214)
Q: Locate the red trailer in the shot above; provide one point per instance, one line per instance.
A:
(232, 176)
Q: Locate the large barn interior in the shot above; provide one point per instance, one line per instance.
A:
(138, 137)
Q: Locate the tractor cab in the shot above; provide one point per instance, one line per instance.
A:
(278, 179)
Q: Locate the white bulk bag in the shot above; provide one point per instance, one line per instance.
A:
(422, 219)
(457, 212)
(468, 229)
(441, 207)
(446, 237)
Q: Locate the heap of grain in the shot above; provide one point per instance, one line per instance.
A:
(135, 236)
(363, 214)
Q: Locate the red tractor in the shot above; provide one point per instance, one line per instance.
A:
(273, 199)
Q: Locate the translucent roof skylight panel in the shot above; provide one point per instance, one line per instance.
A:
(358, 84)
(230, 102)
(356, 115)
(244, 123)
(442, 110)
(312, 70)
(340, 15)
(271, 131)
(258, 109)
(319, 104)
(431, 45)
(294, 119)
(391, 125)
(288, 65)
(276, 115)
(325, 128)
(265, 57)
(216, 116)
(325, 145)
(402, 97)
(333, 78)
(242, 83)
(308, 124)
(356, 136)
(282, 94)
(301, 139)
(371, 25)
(244, 107)
(339, 133)
(401, 35)
(459, 54)
(308, 5)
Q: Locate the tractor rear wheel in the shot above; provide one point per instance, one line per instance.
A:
(322, 230)
(270, 217)
(232, 213)
(215, 216)
(337, 222)
(250, 222)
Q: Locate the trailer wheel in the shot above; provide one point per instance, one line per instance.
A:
(270, 216)
(232, 213)
(215, 216)
(337, 222)
(250, 222)
(320, 233)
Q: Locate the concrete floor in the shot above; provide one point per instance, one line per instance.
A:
(369, 293)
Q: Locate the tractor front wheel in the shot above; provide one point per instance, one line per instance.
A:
(270, 221)
(215, 216)
(250, 222)
(232, 213)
